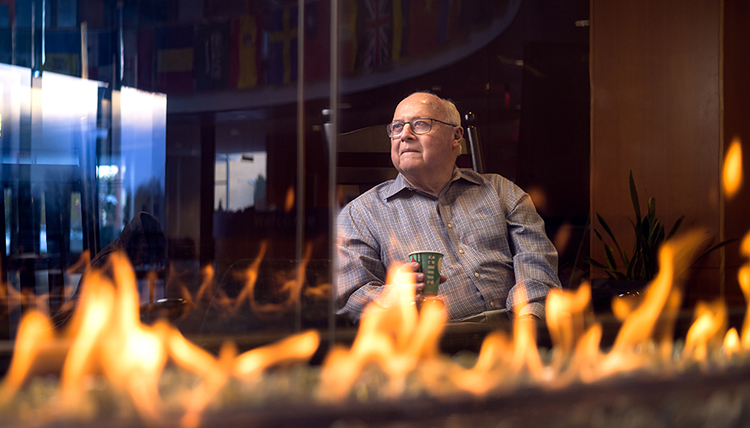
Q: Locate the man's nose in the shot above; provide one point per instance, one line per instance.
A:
(411, 130)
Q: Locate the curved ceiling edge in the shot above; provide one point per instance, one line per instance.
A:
(230, 100)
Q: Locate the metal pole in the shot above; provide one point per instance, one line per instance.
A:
(300, 233)
(332, 150)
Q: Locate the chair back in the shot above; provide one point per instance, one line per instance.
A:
(364, 155)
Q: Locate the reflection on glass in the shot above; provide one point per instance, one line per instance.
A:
(132, 175)
(68, 177)
(240, 181)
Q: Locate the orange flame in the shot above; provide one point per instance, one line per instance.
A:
(659, 306)
(394, 337)
(396, 341)
(35, 329)
(292, 288)
(105, 336)
(743, 276)
(733, 168)
(732, 345)
(295, 348)
(204, 291)
(706, 333)
(80, 264)
(488, 373)
(289, 200)
(565, 318)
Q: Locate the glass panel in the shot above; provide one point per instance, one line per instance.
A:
(199, 125)
(141, 135)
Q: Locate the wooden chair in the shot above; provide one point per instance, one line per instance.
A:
(364, 156)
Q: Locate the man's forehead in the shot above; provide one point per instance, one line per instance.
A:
(417, 106)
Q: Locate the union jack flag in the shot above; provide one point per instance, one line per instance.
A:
(378, 32)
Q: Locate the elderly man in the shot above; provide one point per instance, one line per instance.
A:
(497, 257)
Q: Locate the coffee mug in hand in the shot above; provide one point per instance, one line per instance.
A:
(429, 263)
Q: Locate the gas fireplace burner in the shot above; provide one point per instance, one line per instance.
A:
(650, 365)
(717, 399)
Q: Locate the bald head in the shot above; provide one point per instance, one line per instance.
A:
(427, 158)
(444, 108)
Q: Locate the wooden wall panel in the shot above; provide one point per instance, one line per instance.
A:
(655, 86)
(736, 97)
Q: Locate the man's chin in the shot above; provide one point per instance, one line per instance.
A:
(411, 161)
(410, 169)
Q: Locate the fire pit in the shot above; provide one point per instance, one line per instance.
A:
(403, 366)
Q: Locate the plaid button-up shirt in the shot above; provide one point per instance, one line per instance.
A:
(496, 252)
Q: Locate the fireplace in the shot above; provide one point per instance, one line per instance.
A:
(400, 366)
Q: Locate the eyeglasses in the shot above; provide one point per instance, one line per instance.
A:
(418, 126)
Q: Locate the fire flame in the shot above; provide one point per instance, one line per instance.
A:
(289, 199)
(106, 338)
(733, 168)
(743, 275)
(396, 338)
(396, 347)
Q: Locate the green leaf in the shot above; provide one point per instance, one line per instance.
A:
(606, 228)
(659, 236)
(651, 207)
(655, 234)
(631, 267)
(676, 226)
(642, 236)
(619, 275)
(634, 197)
(713, 248)
(638, 271)
(593, 262)
(609, 232)
(609, 253)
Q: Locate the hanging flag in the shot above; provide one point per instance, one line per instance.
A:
(348, 40)
(63, 52)
(398, 30)
(282, 45)
(174, 58)
(212, 56)
(448, 20)
(378, 32)
(245, 52)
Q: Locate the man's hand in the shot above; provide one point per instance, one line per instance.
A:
(406, 275)
(412, 268)
(528, 317)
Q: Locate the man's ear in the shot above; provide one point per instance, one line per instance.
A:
(458, 133)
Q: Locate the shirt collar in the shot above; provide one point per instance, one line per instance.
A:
(400, 184)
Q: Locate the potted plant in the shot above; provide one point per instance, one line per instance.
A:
(640, 266)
